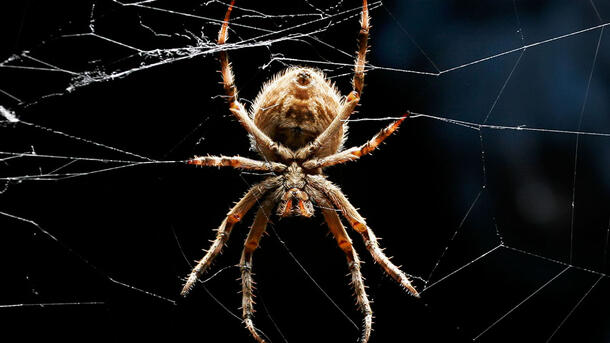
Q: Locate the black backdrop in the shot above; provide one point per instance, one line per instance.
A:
(441, 195)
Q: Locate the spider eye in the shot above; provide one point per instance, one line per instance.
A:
(303, 78)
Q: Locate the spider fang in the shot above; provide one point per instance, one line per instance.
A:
(295, 202)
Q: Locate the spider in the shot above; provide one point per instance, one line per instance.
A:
(297, 125)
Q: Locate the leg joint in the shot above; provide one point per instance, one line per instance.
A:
(345, 245)
(233, 218)
(245, 267)
(251, 245)
(358, 226)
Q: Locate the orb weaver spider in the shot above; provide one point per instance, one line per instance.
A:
(297, 125)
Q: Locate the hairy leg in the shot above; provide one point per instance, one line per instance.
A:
(346, 110)
(348, 210)
(236, 107)
(353, 98)
(256, 231)
(237, 162)
(222, 235)
(355, 152)
(353, 262)
(363, 46)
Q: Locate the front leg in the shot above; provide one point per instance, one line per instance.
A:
(363, 46)
(235, 106)
(347, 108)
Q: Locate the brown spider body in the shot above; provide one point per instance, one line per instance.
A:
(297, 124)
(295, 107)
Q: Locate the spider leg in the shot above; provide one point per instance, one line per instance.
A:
(236, 107)
(346, 110)
(237, 162)
(355, 152)
(353, 98)
(348, 210)
(363, 46)
(222, 235)
(228, 79)
(383, 260)
(345, 243)
(256, 231)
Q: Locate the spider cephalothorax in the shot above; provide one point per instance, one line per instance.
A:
(297, 124)
(294, 193)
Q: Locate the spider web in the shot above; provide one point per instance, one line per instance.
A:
(494, 195)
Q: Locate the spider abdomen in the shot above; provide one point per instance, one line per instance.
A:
(294, 107)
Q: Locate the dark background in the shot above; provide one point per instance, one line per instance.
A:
(441, 195)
